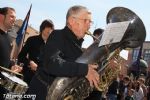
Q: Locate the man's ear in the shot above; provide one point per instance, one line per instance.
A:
(72, 21)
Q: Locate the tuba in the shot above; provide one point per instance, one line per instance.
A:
(78, 88)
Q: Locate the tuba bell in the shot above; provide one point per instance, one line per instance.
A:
(78, 88)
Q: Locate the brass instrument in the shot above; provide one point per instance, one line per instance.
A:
(78, 88)
(97, 39)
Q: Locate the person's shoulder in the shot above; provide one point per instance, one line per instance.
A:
(33, 37)
(57, 33)
(56, 37)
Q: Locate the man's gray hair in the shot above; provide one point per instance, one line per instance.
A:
(75, 10)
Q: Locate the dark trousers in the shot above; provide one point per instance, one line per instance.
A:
(95, 95)
(37, 88)
(28, 74)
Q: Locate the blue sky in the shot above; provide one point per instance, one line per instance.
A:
(56, 11)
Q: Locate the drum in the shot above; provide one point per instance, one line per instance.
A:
(13, 84)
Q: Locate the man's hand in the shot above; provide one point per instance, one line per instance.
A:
(93, 76)
(16, 68)
(33, 65)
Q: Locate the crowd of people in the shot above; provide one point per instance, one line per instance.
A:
(128, 88)
(53, 53)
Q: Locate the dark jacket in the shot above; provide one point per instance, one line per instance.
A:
(60, 53)
(5, 49)
(30, 51)
(65, 42)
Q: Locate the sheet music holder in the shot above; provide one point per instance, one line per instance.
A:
(114, 32)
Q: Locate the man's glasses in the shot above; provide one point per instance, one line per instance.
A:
(85, 20)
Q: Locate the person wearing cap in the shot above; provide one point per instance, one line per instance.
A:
(30, 53)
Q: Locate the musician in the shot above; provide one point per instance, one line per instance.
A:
(63, 47)
(98, 33)
(30, 53)
(7, 20)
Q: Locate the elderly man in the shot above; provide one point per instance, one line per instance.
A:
(62, 49)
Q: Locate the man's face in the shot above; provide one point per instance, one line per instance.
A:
(46, 32)
(9, 19)
(81, 24)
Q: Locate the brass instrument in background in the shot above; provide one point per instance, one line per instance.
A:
(110, 70)
(78, 88)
